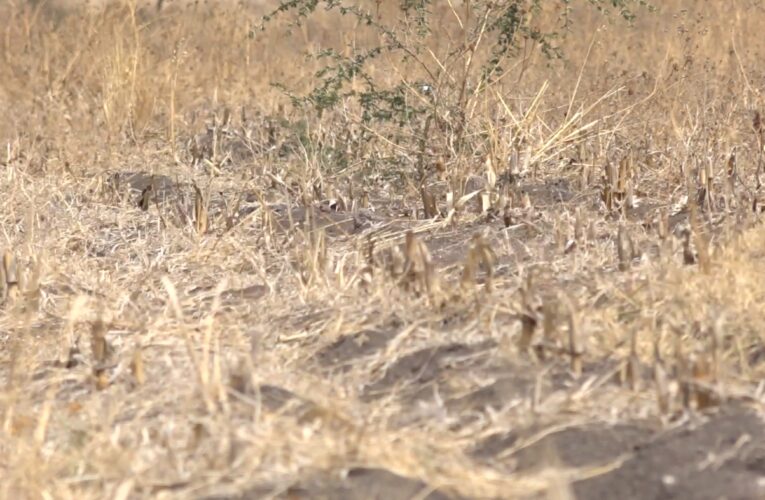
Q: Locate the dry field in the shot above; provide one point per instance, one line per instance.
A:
(212, 292)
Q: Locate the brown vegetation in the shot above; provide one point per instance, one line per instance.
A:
(200, 300)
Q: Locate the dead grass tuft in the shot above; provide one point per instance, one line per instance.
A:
(208, 291)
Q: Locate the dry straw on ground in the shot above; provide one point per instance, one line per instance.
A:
(195, 304)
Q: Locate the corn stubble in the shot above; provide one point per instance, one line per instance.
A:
(596, 239)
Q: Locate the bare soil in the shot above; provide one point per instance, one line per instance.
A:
(210, 291)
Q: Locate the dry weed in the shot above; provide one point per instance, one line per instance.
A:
(528, 298)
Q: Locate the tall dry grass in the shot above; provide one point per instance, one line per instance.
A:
(171, 341)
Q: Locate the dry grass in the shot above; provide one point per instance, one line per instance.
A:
(196, 304)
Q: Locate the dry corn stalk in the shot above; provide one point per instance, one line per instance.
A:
(689, 257)
(702, 383)
(702, 245)
(528, 326)
(507, 216)
(100, 378)
(625, 174)
(663, 225)
(11, 289)
(663, 392)
(480, 256)
(491, 173)
(580, 223)
(730, 200)
(201, 219)
(549, 314)
(525, 201)
(617, 184)
(631, 370)
(529, 317)
(485, 200)
(575, 347)
(418, 270)
(608, 187)
(759, 131)
(429, 203)
(622, 250)
(231, 214)
(705, 197)
(99, 346)
(315, 257)
(32, 286)
(146, 194)
(137, 368)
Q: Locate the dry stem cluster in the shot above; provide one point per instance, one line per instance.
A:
(209, 292)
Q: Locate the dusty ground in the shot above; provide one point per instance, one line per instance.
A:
(211, 293)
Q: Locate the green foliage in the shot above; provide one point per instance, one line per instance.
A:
(500, 25)
(439, 91)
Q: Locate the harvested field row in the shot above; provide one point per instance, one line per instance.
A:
(542, 285)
